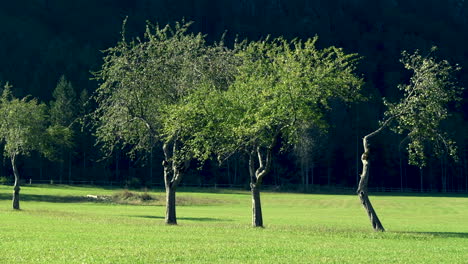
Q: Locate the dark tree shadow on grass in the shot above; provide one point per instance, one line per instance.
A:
(437, 234)
(201, 219)
(50, 198)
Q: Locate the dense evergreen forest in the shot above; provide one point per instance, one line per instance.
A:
(43, 40)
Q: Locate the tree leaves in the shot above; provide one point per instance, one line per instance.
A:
(22, 123)
(424, 105)
(280, 86)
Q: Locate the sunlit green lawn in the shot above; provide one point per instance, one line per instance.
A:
(215, 228)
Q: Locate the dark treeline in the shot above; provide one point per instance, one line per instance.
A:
(41, 40)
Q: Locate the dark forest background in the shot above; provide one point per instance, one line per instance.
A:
(41, 40)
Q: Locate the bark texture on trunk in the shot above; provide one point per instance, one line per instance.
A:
(16, 186)
(256, 177)
(257, 218)
(363, 187)
(172, 176)
(61, 171)
(374, 219)
(69, 168)
(171, 218)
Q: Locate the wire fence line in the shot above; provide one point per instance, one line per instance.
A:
(288, 187)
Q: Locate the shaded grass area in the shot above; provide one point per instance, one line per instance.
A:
(203, 219)
(116, 196)
(54, 227)
(48, 198)
(439, 234)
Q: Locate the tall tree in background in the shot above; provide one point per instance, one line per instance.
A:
(22, 126)
(141, 81)
(84, 137)
(309, 145)
(417, 116)
(63, 112)
(63, 109)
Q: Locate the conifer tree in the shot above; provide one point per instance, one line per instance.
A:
(63, 112)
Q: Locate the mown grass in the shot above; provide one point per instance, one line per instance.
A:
(56, 225)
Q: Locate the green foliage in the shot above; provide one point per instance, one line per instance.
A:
(277, 88)
(143, 80)
(283, 86)
(57, 138)
(83, 103)
(133, 183)
(23, 128)
(197, 120)
(3, 180)
(139, 78)
(22, 123)
(63, 113)
(424, 105)
(63, 109)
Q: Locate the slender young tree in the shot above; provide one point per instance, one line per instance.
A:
(22, 126)
(141, 82)
(84, 135)
(417, 116)
(63, 109)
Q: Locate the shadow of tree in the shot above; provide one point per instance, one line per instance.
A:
(438, 234)
(202, 219)
(51, 198)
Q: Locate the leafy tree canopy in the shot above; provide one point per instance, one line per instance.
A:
(22, 123)
(424, 105)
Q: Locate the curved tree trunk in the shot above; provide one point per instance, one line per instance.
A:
(363, 183)
(16, 186)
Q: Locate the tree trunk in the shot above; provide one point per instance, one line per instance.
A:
(84, 165)
(465, 170)
(401, 173)
(172, 177)
(257, 219)
(151, 167)
(228, 174)
(16, 186)
(235, 170)
(40, 168)
(256, 177)
(363, 187)
(69, 167)
(312, 173)
(374, 219)
(307, 176)
(301, 164)
(171, 218)
(421, 179)
(61, 171)
(444, 180)
(171, 184)
(117, 171)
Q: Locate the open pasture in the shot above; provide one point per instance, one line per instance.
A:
(58, 225)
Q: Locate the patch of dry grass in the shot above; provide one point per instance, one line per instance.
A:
(144, 198)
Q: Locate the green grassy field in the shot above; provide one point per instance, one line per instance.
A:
(56, 225)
